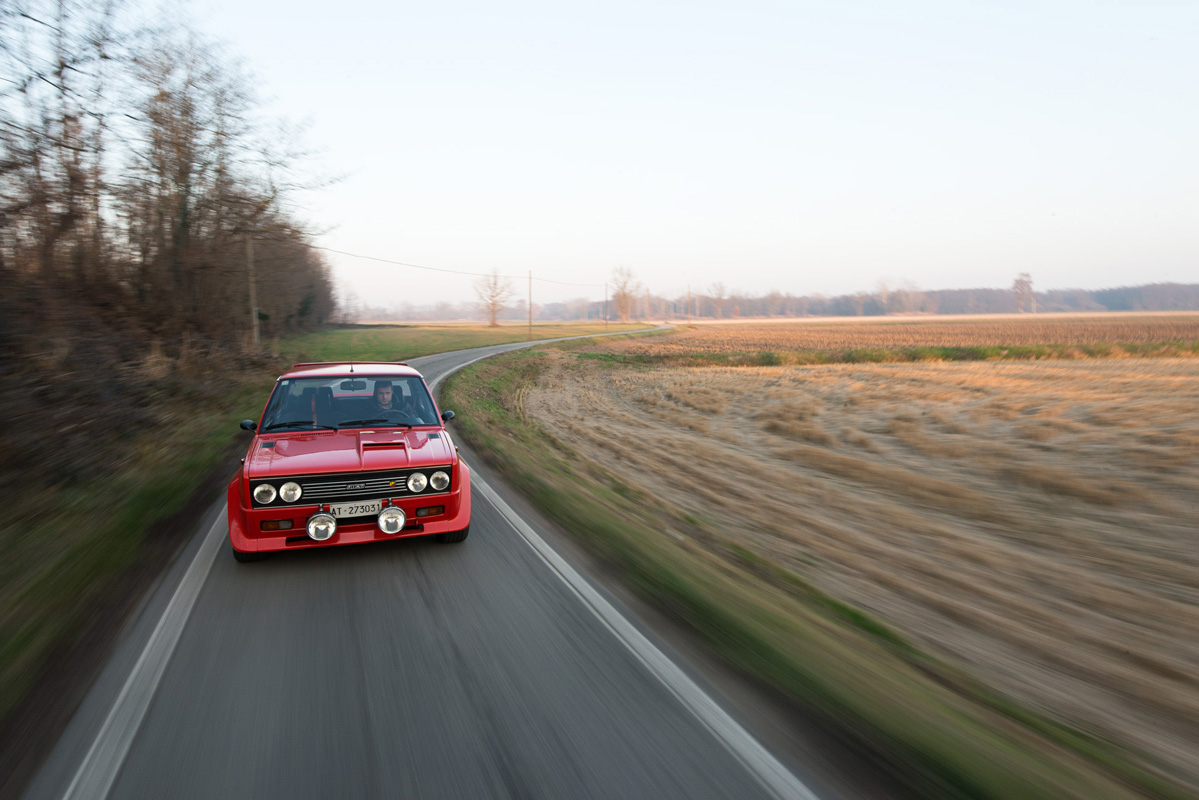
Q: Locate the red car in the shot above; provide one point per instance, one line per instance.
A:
(345, 454)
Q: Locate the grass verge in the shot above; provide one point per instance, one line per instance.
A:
(402, 342)
(951, 736)
(74, 541)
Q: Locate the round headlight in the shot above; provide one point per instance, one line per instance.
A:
(264, 493)
(290, 492)
(392, 519)
(439, 481)
(321, 526)
(417, 482)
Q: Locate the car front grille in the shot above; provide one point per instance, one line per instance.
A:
(343, 489)
(351, 486)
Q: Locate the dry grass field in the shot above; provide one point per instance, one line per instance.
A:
(1032, 521)
(921, 338)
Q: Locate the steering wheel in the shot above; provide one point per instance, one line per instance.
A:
(395, 415)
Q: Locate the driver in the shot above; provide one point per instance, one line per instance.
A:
(384, 398)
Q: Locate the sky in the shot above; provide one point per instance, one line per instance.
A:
(808, 147)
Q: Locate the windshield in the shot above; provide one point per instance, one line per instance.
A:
(349, 401)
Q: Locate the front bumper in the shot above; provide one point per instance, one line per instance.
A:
(247, 536)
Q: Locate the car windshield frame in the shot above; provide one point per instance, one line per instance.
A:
(347, 402)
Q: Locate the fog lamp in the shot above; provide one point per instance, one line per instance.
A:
(392, 519)
(321, 526)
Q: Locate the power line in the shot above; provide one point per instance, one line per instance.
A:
(451, 271)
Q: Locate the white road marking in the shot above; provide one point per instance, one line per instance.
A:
(103, 761)
(768, 771)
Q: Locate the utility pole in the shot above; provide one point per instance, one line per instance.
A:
(530, 305)
(253, 286)
(688, 304)
(605, 306)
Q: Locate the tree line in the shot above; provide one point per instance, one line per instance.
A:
(629, 299)
(137, 181)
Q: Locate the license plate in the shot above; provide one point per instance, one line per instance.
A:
(358, 509)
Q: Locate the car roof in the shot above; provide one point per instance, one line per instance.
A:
(336, 369)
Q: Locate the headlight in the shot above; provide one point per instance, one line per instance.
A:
(290, 492)
(417, 482)
(439, 481)
(321, 526)
(264, 493)
(392, 519)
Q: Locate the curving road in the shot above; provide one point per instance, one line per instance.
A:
(405, 669)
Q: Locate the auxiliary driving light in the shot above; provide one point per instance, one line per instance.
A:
(439, 481)
(392, 519)
(417, 482)
(321, 526)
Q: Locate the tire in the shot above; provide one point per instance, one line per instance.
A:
(245, 558)
(454, 536)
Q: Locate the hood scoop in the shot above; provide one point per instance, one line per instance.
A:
(383, 445)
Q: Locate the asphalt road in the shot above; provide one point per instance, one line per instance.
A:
(405, 669)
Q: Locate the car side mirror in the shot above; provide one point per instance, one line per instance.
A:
(446, 416)
(249, 425)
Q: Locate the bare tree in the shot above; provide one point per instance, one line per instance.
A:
(907, 297)
(1022, 288)
(493, 292)
(858, 301)
(132, 171)
(624, 287)
(719, 292)
(883, 292)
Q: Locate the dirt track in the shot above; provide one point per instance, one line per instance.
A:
(1032, 521)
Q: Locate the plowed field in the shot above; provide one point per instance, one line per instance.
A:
(1033, 522)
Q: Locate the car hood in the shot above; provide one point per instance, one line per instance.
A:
(346, 451)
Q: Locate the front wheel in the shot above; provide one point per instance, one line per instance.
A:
(450, 537)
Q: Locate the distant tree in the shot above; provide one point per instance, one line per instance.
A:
(1022, 288)
(624, 288)
(493, 292)
(858, 301)
(718, 293)
(883, 292)
(907, 298)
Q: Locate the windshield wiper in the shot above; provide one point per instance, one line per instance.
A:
(346, 422)
(297, 422)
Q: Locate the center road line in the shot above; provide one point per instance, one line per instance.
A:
(107, 753)
(764, 767)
